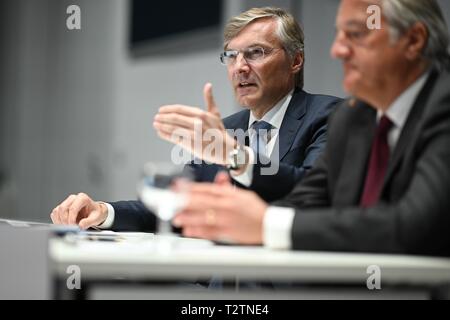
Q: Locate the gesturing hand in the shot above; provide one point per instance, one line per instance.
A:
(200, 132)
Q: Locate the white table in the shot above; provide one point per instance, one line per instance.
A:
(140, 259)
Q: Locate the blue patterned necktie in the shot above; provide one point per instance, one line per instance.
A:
(261, 137)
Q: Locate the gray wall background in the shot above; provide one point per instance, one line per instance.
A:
(76, 109)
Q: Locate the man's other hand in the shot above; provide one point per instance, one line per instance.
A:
(80, 210)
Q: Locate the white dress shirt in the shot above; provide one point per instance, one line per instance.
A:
(275, 117)
(277, 224)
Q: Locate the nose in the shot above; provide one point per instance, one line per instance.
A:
(241, 65)
(339, 49)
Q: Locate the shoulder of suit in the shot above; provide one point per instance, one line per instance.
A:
(438, 98)
(351, 110)
(441, 84)
(321, 98)
(235, 117)
(321, 103)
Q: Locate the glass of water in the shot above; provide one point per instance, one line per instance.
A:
(163, 190)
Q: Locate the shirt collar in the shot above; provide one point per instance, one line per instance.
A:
(399, 110)
(275, 115)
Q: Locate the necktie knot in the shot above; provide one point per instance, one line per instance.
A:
(261, 136)
(384, 126)
(262, 130)
(261, 125)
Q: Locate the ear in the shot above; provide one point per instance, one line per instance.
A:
(417, 38)
(297, 63)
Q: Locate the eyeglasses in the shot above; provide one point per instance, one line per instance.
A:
(251, 55)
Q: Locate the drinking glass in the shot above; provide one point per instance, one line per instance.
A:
(163, 190)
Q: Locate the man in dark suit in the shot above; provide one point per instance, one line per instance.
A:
(264, 59)
(382, 184)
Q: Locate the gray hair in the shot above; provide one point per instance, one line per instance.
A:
(402, 14)
(289, 32)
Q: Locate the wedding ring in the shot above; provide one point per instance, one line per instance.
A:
(210, 217)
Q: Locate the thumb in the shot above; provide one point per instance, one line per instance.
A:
(222, 179)
(90, 221)
(209, 100)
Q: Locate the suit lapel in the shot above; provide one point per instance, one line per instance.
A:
(410, 129)
(358, 145)
(240, 123)
(292, 122)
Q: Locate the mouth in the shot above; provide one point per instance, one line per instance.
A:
(349, 67)
(245, 85)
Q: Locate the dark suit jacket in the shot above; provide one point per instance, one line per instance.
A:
(301, 139)
(413, 215)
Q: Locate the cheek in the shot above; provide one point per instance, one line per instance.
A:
(371, 62)
(276, 74)
(264, 76)
(230, 74)
(354, 79)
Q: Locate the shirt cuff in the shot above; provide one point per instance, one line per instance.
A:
(246, 177)
(107, 224)
(277, 226)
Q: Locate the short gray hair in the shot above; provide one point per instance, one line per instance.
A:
(402, 14)
(289, 32)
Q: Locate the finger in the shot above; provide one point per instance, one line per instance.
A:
(188, 218)
(68, 201)
(166, 136)
(177, 120)
(222, 178)
(179, 137)
(81, 201)
(59, 218)
(91, 220)
(171, 130)
(62, 211)
(54, 216)
(210, 189)
(209, 100)
(210, 233)
(164, 128)
(160, 130)
(196, 212)
(199, 202)
(180, 185)
(182, 110)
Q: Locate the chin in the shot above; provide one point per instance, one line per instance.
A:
(245, 101)
(350, 85)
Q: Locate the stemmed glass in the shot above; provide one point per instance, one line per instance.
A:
(163, 190)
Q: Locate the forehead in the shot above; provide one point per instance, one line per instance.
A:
(355, 12)
(259, 32)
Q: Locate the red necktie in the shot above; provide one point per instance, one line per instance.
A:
(379, 158)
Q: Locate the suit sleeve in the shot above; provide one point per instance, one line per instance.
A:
(132, 216)
(312, 191)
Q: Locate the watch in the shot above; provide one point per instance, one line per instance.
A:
(237, 158)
